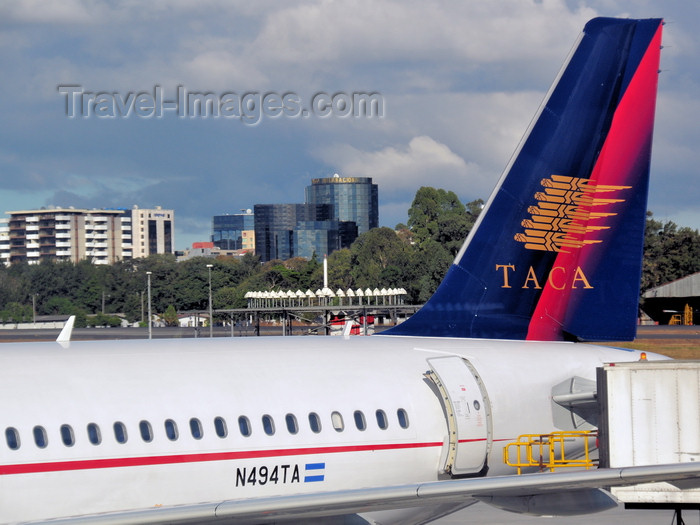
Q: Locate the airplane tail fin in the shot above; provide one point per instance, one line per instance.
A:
(556, 253)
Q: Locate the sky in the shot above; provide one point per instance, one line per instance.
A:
(109, 104)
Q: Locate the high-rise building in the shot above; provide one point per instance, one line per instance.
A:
(152, 231)
(63, 234)
(234, 232)
(275, 225)
(336, 211)
(322, 237)
(354, 199)
(71, 234)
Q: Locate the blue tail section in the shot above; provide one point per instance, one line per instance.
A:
(557, 251)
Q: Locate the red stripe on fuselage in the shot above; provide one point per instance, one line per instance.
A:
(89, 464)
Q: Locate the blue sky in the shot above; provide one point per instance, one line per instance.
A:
(458, 84)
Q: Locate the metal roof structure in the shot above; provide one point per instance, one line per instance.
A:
(686, 287)
(677, 302)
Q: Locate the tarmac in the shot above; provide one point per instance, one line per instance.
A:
(89, 334)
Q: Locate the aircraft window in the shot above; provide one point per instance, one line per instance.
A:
(360, 422)
(146, 431)
(12, 438)
(220, 427)
(268, 425)
(196, 428)
(403, 417)
(337, 421)
(292, 424)
(244, 426)
(94, 435)
(171, 429)
(315, 422)
(40, 437)
(120, 432)
(67, 435)
(381, 419)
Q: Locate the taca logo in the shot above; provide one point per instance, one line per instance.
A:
(565, 214)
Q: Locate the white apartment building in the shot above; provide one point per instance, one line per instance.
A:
(5, 241)
(70, 234)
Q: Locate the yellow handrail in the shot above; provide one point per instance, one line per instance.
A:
(548, 451)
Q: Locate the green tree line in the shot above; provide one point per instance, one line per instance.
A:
(414, 256)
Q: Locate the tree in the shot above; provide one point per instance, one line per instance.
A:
(170, 316)
(230, 297)
(59, 305)
(439, 224)
(373, 252)
(132, 305)
(165, 278)
(190, 289)
(438, 215)
(101, 319)
(250, 264)
(428, 267)
(404, 233)
(90, 286)
(308, 272)
(16, 313)
(339, 270)
(278, 277)
(670, 253)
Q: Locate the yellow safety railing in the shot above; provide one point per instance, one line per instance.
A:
(549, 451)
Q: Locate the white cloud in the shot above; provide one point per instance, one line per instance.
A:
(221, 70)
(389, 30)
(48, 11)
(423, 161)
(456, 141)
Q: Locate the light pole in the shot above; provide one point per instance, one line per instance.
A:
(211, 317)
(150, 329)
(103, 300)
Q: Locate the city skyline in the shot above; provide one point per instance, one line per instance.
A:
(342, 208)
(211, 108)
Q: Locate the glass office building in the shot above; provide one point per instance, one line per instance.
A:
(354, 199)
(230, 232)
(275, 225)
(322, 237)
(337, 210)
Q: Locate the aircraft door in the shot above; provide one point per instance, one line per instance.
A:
(468, 414)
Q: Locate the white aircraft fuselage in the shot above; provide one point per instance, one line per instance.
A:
(226, 420)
